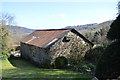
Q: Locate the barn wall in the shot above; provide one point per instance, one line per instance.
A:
(73, 49)
(35, 54)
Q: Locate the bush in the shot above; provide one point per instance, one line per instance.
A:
(12, 49)
(85, 68)
(5, 55)
(95, 53)
(91, 66)
(61, 62)
(109, 64)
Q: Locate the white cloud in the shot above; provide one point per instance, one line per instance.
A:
(62, 15)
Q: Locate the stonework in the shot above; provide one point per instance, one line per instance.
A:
(35, 54)
(74, 49)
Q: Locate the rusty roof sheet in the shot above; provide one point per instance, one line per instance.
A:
(42, 38)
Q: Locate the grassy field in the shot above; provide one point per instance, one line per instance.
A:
(21, 69)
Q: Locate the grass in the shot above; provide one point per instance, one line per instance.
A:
(21, 69)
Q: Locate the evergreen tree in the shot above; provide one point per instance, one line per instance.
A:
(108, 66)
(114, 32)
(118, 7)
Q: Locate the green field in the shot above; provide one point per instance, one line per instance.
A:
(21, 69)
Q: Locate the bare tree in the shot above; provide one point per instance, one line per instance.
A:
(5, 20)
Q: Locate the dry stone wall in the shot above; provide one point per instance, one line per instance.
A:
(35, 54)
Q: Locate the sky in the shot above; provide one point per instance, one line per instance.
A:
(52, 15)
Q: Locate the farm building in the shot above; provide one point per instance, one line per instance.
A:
(43, 46)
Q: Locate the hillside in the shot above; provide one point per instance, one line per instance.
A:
(19, 30)
(91, 27)
(18, 33)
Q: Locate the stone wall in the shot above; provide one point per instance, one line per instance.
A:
(74, 49)
(35, 54)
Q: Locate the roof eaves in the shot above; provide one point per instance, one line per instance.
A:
(54, 29)
(32, 45)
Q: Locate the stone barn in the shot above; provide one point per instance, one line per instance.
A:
(43, 46)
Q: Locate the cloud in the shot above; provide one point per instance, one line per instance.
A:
(62, 15)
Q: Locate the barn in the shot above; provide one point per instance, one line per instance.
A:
(43, 46)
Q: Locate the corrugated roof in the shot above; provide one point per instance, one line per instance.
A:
(42, 38)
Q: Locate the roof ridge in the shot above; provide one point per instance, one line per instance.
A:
(54, 29)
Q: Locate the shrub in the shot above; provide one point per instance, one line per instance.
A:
(85, 68)
(5, 55)
(91, 66)
(109, 64)
(95, 53)
(61, 62)
(12, 49)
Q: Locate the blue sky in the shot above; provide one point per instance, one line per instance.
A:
(47, 15)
